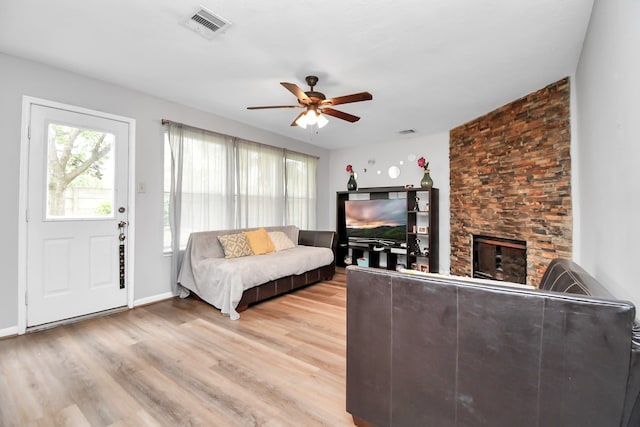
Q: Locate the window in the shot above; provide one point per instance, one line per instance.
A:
(223, 182)
(300, 179)
(80, 173)
(260, 186)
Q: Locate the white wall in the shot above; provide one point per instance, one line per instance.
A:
(435, 148)
(608, 102)
(20, 77)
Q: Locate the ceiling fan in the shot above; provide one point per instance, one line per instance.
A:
(316, 104)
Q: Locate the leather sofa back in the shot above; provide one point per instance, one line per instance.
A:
(431, 352)
(322, 239)
(563, 275)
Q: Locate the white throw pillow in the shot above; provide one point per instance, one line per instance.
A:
(280, 240)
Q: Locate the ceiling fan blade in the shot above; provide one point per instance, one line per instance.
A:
(340, 114)
(356, 97)
(299, 93)
(274, 106)
(297, 117)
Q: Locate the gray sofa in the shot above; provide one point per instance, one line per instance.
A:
(429, 350)
(233, 284)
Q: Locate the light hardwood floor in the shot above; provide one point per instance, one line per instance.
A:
(181, 363)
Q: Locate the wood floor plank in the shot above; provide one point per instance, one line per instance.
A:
(91, 385)
(29, 374)
(180, 362)
(141, 418)
(70, 416)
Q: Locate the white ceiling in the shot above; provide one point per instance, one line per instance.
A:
(430, 64)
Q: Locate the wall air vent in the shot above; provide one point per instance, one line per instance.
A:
(205, 23)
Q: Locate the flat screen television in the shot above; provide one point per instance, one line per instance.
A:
(381, 220)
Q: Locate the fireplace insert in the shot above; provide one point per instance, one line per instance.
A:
(498, 258)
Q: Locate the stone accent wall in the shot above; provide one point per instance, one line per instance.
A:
(511, 178)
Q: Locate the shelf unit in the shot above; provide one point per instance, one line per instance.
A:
(422, 230)
(425, 236)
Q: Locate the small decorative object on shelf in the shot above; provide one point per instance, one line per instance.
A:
(416, 249)
(416, 208)
(352, 185)
(426, 182)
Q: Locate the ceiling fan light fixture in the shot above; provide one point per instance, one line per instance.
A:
(311, 117)
(322, 121)
(302, 121)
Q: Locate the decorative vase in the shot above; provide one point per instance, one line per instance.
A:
(352, 185)
(426, 182)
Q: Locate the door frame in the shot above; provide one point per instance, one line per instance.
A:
(27, 103)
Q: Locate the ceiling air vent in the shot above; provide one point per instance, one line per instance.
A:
(407, 131)
(205, 23)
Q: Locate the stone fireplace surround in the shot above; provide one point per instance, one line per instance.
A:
(511, 178)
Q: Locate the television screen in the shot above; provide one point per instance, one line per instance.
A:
(376, 220)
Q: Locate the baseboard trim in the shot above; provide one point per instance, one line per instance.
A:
(152, 299)
(9, 332)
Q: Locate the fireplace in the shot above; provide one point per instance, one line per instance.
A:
(510, 176)
(499, 259)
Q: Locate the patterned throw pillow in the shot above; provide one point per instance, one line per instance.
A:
(259, 241)
(281, 241)
(235, 245)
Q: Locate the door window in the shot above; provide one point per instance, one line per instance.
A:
(80, 173)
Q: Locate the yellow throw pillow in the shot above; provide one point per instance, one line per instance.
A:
(259, 241)
(235, 245)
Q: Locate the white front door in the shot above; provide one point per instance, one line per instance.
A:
(77, 198)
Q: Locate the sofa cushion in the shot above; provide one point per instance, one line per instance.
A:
(259, 241)
(281, 241)
(235, 245)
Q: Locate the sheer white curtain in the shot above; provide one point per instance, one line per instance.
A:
(260, 188)
(300, 184)
(200, 185)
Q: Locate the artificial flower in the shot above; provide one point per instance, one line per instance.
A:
(349, 168)
(422, 162)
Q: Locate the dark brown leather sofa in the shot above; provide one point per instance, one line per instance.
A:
(318, 238)
(204, 246)
(433, 351)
